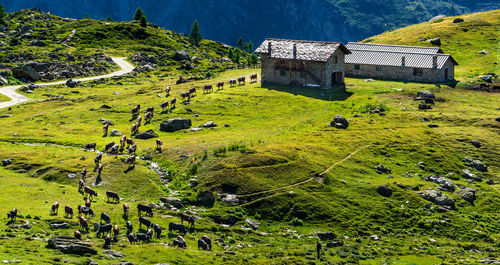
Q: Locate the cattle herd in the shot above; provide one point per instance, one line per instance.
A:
(104, 228)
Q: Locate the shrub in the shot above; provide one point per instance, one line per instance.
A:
(296, 222)
(370, 107)
(221, 151)
(193, 168)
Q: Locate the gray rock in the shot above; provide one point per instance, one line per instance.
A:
(468, 194)
(209, 124)
(115, 132)
(438, 198)
(369, 80)
(26, 72)
(231, 199)
(469, 175)
(438, 17)
(176, 202)
(382, 169)
(490, 182)
(422, 39)
(70, 83)
(325, 236)
(334, 244)
(146, 135)
(384, 190)
(374, 237)
(104, 121)
(195, 129)
(176, 124)
(486, 78)
(182, 55)
(475, 143)
(229, 253)
(71, 245)
(458, 20)
(435, 41)
(7, 162)
(37, 43)
(478, 165)
(445, 184)
(432, 125)
(71, 175)
(5, 115)
(252, 223)
(339, 122)
(59, 225)
(483, 52)
(3, 81)
(114, 254)
(424, 94)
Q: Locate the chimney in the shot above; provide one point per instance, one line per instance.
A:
(403, 61)
(294, 51)
(269, 48)
(434, 62)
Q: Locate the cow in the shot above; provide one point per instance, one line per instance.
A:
(81, 184)
(142, 237)
(159, 143)
(144, 221)
(88, 203)
(132, 149)
(91, 193)
(189, 219)
(253, 78)
(123, 141)
(108, 146)
(107, 242)
(232, 82)
(99, 169)
(172, 102)
(185, 95)
(192, 91)
(98, 158)
(116, 231)
(157, 229)
(179, 242)
(208, 89)
(130, 227)
(114, 149)
(77, 235)
(150, 109)
(167, 90)
(90, 146)
(134, 129)
(83, 173)
(130, 142)
(208, 241)
(131, 238)
(149, 234)
(105, 128)
(177, 227)
(126, 209)
(85, 210)
(148, 117)
(68, 212)
(164, 106)
(112, 195)
(136, 109)
(241, 80)
(144, 208)
(105, 217)
(202, 244)
(54, 210)
(12, 215)
(131, 160)
(220, 85)
(138, 121)
(104, 229)
(83, 223)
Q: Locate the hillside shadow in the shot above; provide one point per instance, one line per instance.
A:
(335, 94)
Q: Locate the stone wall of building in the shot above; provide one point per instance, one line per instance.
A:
(401, 73)
(332, 67)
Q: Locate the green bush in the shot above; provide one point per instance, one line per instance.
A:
(296, 222)
(370, 107)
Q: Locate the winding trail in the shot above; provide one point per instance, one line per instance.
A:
(296, 184)
(16, 98)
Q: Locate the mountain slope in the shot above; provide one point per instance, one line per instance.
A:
(226, 20)
(464, 41)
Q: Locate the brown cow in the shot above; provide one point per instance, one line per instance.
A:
(83, 223)
(99, 169)
(132, 149)
(105, 129)
(253, 78)
(144, 208)
(164, 106)
(208, 89)
(188, 218)
(54, 210)
(136, 109)
(91, 193)
(88, 203)
(130, 160)
(167, 90)
(192, 91)
(148, 117)
(68, 212)
(81, 184)
(126, 209)
(116, 231)
(107, 242)
(159, 143)
(232, 82)
(172, 102)
(77, 235)
(83, 174)
(220, 85)
(241, 80)
(134, 129)
(109, 146)
(123, 141)
(112, 195)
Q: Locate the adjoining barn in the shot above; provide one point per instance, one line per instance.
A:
(299, 62)
(395, 62)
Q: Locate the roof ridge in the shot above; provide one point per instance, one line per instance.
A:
(420, 53)
(304, 41)
(393, 45)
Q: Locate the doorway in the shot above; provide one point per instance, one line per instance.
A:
(337, 78)
(446, 74)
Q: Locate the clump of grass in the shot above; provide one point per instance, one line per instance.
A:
(369, 107)
(296, 222)
(221, 151)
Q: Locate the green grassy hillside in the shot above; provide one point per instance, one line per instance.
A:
(274, 151)
(464, 41)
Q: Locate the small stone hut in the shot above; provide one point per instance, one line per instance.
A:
(299, 62)
(395, 62)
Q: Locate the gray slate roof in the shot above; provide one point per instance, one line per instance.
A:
(319, 51)
(391, 55)
(391, 48)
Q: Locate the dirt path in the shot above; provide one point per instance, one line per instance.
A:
(16, 98)
(298, 183)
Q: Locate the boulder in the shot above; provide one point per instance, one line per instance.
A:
(432, 125)
(438, 17)
(37, 43)
(206, 198)
(435, 41)
(325, 236)
(382, 169)
(458, 20)
(59, 225)
(176, 202)
(105, 106)
(475, 143)
(182, 55)
(209, 124)
(231, 199)
(468, 194)
(71, 83)
(369, 80)
(374, 237)
(445, 184)
(114, 254)
(384, 190)
(176, 124)
(252, 223)
(188, 66)
(115, 132)
(469, 175)
(486, 78)
(424, 94)
(26, 72)
(339, 122)
(7, 162)
(438, 198)
(490, 182)
(108, 122)
(483, 52)
(497, 119)
(71, 245)
(146, 135)
(334, 244)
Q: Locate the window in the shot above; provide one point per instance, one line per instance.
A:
(335, 59)
(356, 67)
(378, 68)
(282, 72)
(418, 72)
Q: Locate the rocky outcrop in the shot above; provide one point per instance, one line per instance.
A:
(176, 202)
(468, 194)
(146, 135)
(438, 198)
(26, 72)
(182, 55)
(384, 190)
(70, 245)
(339, 122)
(176, 124)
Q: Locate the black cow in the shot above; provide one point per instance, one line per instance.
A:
(144, 208)
(131, 238)
(143, 237)
(105, 217)
(104, 229)
(112, 195)
(130, 227)
(144, 221)
(202, 244)
(177, 227)
(12, 215)
(157, 229)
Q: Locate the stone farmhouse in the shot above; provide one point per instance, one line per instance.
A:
(298, 62)
(394, 62)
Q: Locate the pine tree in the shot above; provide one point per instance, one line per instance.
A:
(230, 54)
(3, 14)
(144, 22)
(139, 14)
(109, 19)
(250, 46)
(241, 42)
(195, 34)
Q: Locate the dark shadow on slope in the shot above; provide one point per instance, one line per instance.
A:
(334, 94)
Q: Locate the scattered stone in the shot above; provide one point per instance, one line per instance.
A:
(483, 52)
(176, 124)
(229, 253)
(458, 20)
(438, 198)
(209, 124)
(114, 254)
(424, 94)
(26, 72)
(369, 80)
(71, 175)
(468, 194)
(478, 165)
(70, 83)
(382, 169)
(231, 199)
(325, 236)
(334, 244)
(435, 41)
(445, 184)
(438, 17)
(475, 143)
(105, 106)
(182, 55)
(339, 122)
(176, 202)
(59, 225)
(252, 223)
(70, 245)
(490, 182)
(384, 190)
(374, 237)
(104, 121)
(7, 162)
(115, 132)
(146, 135)
(195, 129)
(469, 175)
(432, 125)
